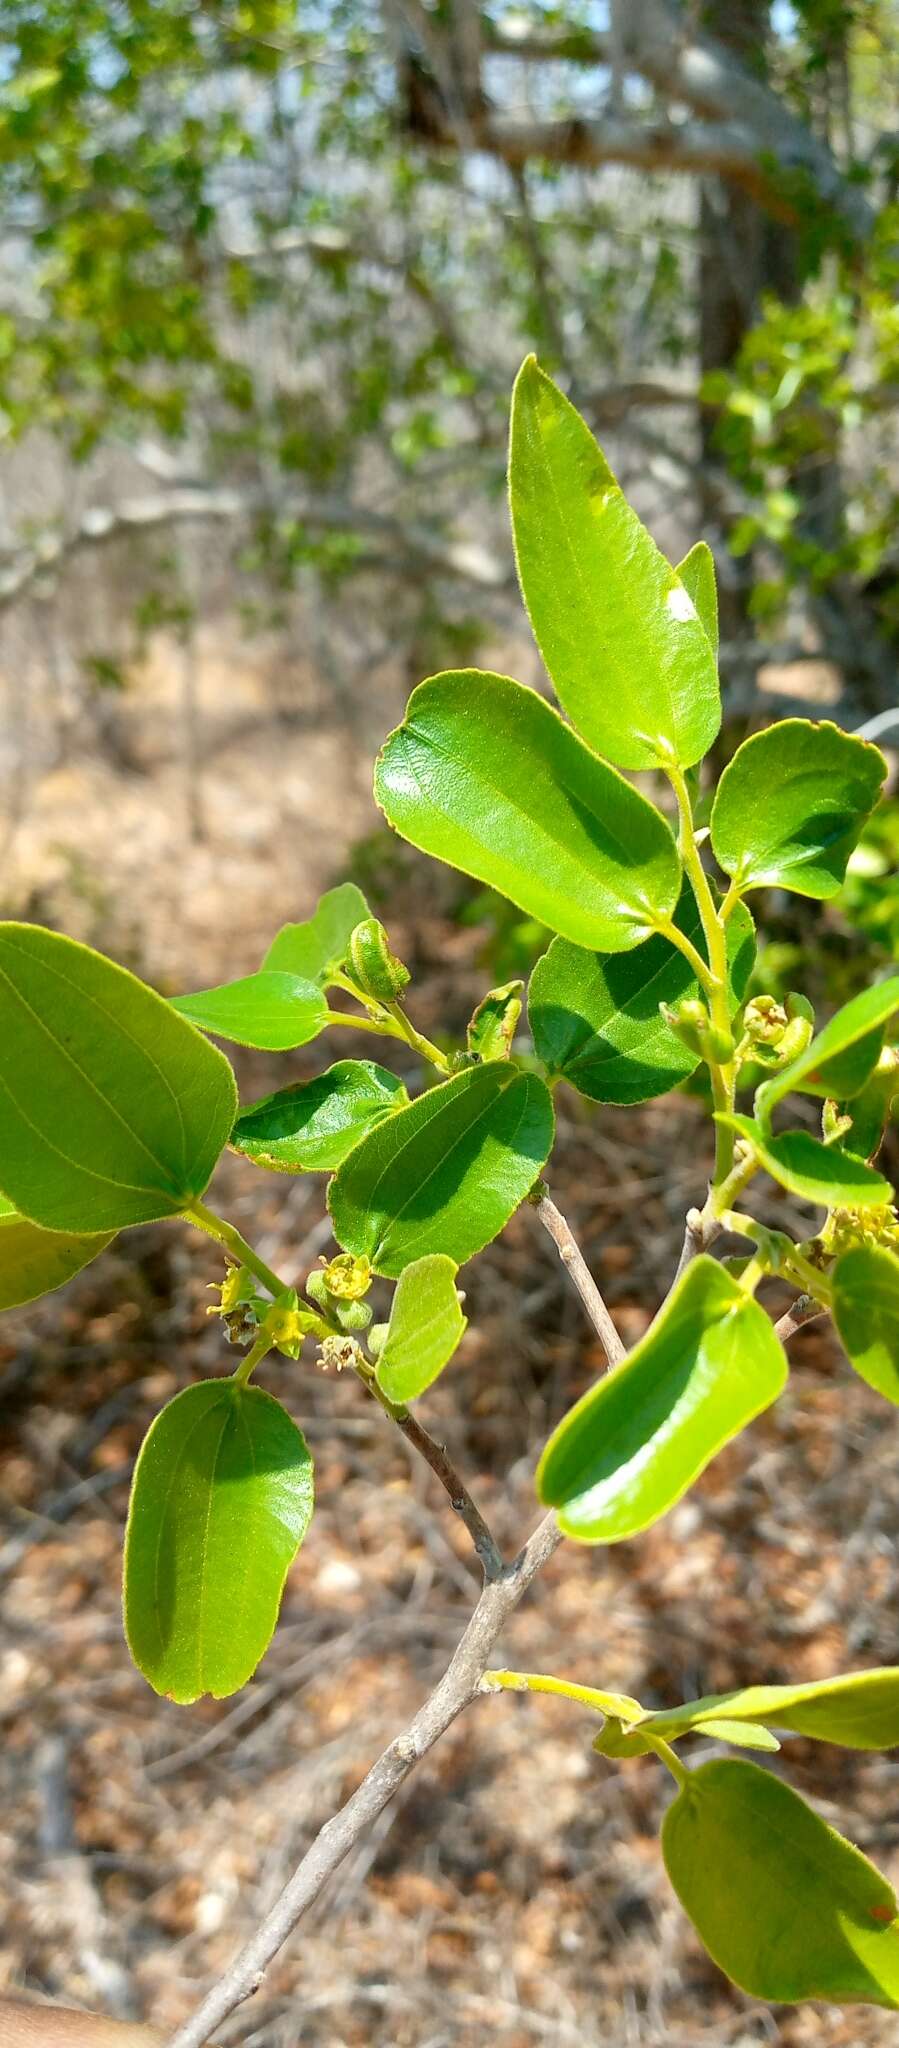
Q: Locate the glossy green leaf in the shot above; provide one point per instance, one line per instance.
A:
(491, 1029)
(426, 1325)
(312, 1126)
(866, 1313)
(785, 1906)
(113, 1109)
(819, 1173)
(869, 1110)
(595, 1019)
(617, 1739)
(220, 1503)
(316, 949)
(821, 1068)
(483, 774)
(697, 574)
(633, 1445)
(34, 1261)
(858, 1710)
(272, 1011)
(620, 636)
(445, 1174)
(791, 804)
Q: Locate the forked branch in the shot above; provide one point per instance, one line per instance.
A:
(457, 1687)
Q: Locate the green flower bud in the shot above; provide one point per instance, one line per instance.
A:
(764, 1020)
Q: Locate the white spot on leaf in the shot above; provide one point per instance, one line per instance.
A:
(680, 605)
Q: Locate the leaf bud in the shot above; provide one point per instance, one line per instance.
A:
(373, 966)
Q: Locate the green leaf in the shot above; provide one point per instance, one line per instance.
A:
(113, 1109)
(595, 1018)
(34, 1261)
(633, 1445)
(785, 1906)
(220, 1503)
(426, 1325)
(741, 1737)
(312, 1126)
(620, 636)
(491, 1029)
(819, 1173)
(858, 1710)
(316, 949)
(866, 1313)
(445, 1174)
(821, 1068)
(870, 1109)
(697, 574)
(273, 1011)
(791, 804)
(483, 774)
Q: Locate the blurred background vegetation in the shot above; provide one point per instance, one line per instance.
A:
(267, 270)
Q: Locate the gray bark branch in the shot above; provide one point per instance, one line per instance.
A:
(458, 1686)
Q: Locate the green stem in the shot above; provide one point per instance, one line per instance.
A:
(675, 937)
(792, 1266)
(386, 1020)
(225, 1233)
(617, 1704)
(383, 1029)
(721, 1073)
(722, 1197)
(672, 1762)
(417, 1039)
(730, 901)
(254, 1357)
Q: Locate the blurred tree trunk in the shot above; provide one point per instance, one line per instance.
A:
(743, 253)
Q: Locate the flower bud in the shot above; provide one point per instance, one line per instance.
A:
(764, 1020)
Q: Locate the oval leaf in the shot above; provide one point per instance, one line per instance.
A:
(312, 1126)
(791, 804)
(620, 636)
(818, 1069)
(426, 1325)
(315, 950)
(483, 774)
(272, 1011)
(595, 1018)
(858, 1710)
(785, 1906)
(866, 1313)
(819, 1173)
(114, 1110)
(220, 1503)
(491, 1028)
(697, 574)
(34, 1261)
(446, 1173)
(633, 1445)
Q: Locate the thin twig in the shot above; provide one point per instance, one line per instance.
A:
(460, 1499)
(574, 1262)
(458, 1686)
(804, 1310)
(700, 1233)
